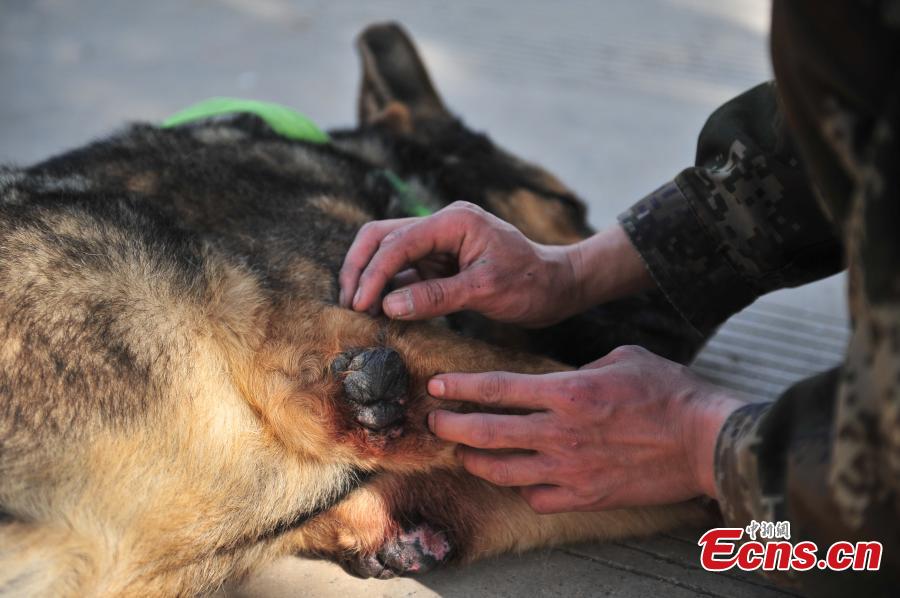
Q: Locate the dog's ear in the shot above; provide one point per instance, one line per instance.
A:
(394, 74)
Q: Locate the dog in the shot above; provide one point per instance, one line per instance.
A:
(181, 397)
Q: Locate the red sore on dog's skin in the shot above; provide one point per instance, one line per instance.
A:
(415, 550)
(431, 543)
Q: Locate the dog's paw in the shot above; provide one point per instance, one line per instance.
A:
(375, 384)
(417, 549)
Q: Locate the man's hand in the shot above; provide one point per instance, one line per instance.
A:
(465, 258)
(630, 429)
(468, 258)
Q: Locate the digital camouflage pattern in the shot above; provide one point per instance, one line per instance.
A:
(790, 185)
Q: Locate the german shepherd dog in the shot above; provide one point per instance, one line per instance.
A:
(181, 397)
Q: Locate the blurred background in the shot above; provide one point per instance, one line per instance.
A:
(608, 94)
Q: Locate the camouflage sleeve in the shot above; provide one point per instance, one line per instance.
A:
(826, 455)
(742, 222)
(753, 454)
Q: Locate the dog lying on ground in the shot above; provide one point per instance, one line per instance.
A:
(181, 398)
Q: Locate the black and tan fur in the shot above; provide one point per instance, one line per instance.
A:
(169, 414)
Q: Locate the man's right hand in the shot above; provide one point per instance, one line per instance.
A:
(463, 258)
(460, 258)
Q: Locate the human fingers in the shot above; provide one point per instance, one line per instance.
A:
(428, 298)
(437, 266)
(545, 499)
(406, 278)
(486, 430)
(507, 469)
(364, 246)
(403, 246)
(499, 389)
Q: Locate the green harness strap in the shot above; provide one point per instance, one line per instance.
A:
(284, 121)
(408, 200)
(293, 125)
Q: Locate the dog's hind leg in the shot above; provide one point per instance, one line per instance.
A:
(399, 525)
(420, 508)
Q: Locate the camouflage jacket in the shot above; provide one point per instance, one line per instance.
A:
(793, 181)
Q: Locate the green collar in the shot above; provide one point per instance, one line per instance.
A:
(292, 125)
